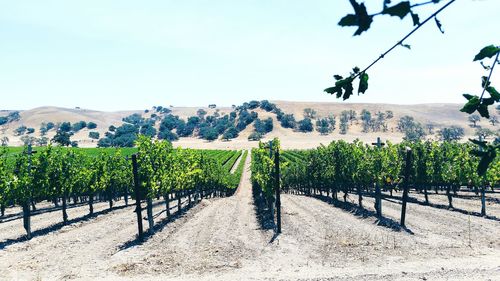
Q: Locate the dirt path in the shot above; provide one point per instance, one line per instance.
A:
(224, 236)
(237, 163)
(80, 250)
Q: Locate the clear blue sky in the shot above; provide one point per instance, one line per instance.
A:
(113, 55)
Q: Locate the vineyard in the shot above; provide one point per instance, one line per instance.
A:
(331, 212)
(61, 175)
(378, 171)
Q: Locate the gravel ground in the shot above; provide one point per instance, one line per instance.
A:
(220, 239)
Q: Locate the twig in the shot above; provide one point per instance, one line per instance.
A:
(404, 38)
(489, 76)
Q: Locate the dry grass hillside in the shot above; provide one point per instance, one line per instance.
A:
(441, 115)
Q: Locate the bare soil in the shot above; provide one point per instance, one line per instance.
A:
(221, 239)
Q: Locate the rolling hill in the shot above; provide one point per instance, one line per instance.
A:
(441, 115)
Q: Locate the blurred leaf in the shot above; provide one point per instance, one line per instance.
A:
(439, 25)
(471, 105)
(343, 88)
(349, 20)
(494, 93)
(479, 143)
(487, 101)
(337, 77)
(487, 52)
(486, 67)
(483, 110)
(468, 96)
(363, 83)
(356, 70)
(399, 10)
(348, 89)
(484, 79)
(415, 18)
(486, 160)
(406, 46)
(360, 18)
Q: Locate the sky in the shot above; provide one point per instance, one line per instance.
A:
(120, 55)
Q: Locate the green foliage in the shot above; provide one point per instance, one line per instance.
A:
(62, 138)
(148, 130)
(487, 52)
(325, 125)
(20, 130)
(344, 122)
(288, 121)
(453, 133)
(310, 113)
(14, 116)
(134, 119)
(91, 125)
(305, 125)
(344, 86)
(78, 126)
(65, 127)
(474, 118)
(230, 133)
(163, 170)
(263, 167)
(349, 166)
(94, 135)
(168, 135)
(413, 131)
(263, 126)
(57, 172)
(255, 136)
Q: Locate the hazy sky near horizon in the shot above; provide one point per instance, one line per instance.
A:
(114, 55)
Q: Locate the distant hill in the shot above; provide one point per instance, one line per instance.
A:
(441, 115)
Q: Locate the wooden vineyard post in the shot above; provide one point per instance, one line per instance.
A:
(406, 185)
(483, 201)
(26, 204)
(277, 187)
(378, 193)
(138, 208)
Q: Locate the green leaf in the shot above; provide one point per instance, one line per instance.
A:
(356, 70)
(348, 89)
(483, 110)
(488, 101)
(471, 105)
(349, 20)
(439, 25)
(494, 93)
(415, 18)
(468, 96)
(486, 160)
(399, 10)
(487, 52)
(363, 83)
(334, 90)
(338, 77)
